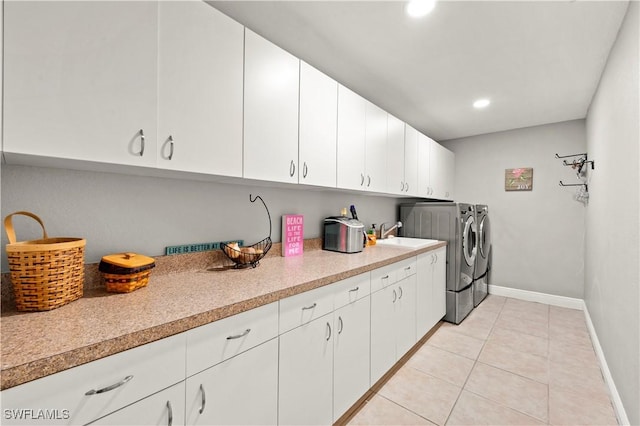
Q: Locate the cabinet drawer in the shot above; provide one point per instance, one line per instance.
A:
(211, 344)
(87, 392)
(304, 307)
(163, 408)
(382, 277)
(406, 268)
(351, 289)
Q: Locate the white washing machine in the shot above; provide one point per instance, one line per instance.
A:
(455, 224)
(483, 259)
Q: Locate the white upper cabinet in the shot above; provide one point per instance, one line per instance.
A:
(424, 166)
(271, 83)
(402, 158)
(80, 80)
(352, 111)
(376, 149)
(410, 160)
(395, 156)
(362, 143)
(318, 126)
(200, 89)
(441, 171)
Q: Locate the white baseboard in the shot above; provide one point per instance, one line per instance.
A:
(532, 296)
(606, 373)
(572, 303)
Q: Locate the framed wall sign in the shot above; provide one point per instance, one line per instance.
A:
(518, 179)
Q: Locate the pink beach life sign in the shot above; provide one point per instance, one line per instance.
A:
(292, 234)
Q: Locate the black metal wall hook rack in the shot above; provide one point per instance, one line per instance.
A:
(577, 163)
(586, 187)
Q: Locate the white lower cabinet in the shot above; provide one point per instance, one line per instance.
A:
(431, 290)
(306, 373)
(351, 354)
(242, 390)
(405, 315)
(163, 408)
(88, 392)
(393, 329)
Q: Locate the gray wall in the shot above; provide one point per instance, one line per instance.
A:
(612, 278)
(117, 212)
(538, 235)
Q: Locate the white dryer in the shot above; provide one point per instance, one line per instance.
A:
(483, 259)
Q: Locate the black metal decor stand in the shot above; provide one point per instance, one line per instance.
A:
(249, 256)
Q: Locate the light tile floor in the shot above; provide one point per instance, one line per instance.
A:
(510, 362)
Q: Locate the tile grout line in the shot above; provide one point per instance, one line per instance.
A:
(497, 402)
(475, 361)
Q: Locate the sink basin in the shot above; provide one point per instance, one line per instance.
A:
(406, 242)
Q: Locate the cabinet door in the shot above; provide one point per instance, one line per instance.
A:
(351, 354)
(405, 315)
(163, 408)
(271, 83)
(351, 139)
(448, 173)
(424, 294)
(424, 165)
(439, 296)
(441, 171)
(396, 183)
(411, 160)
(376, 148)
(305, 374)
(383, 339)
(200, 89)
(93, 390)
(318, 126)
(80, 80)
(240, 391)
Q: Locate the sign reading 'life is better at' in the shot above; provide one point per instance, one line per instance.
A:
(292, 234)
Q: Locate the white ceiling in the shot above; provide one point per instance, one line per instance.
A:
(538, 61)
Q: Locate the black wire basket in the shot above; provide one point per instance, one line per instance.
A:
(249, 256)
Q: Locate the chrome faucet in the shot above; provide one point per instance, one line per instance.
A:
(384, 234)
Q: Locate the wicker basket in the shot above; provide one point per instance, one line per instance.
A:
(126, 272)
(45, 273)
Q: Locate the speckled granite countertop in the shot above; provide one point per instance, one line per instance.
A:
(38, 344)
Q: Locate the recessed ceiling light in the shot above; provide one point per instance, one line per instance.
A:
(420, 8)
(481, 103)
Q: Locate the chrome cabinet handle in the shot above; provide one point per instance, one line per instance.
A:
(237, 336)
(304, 308)
(204, 400)
(395, 296)
(170, 156)
(400, 291)
(305, 169)
(110, 387)
(354, 289)
(341, 325)
(386, 277)
(407, 189)
(292, 168)
(361, 179)
(368, 181)
(408, 268)
(329, 328)
(401, 186)
(170, 421)
(141, 153)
